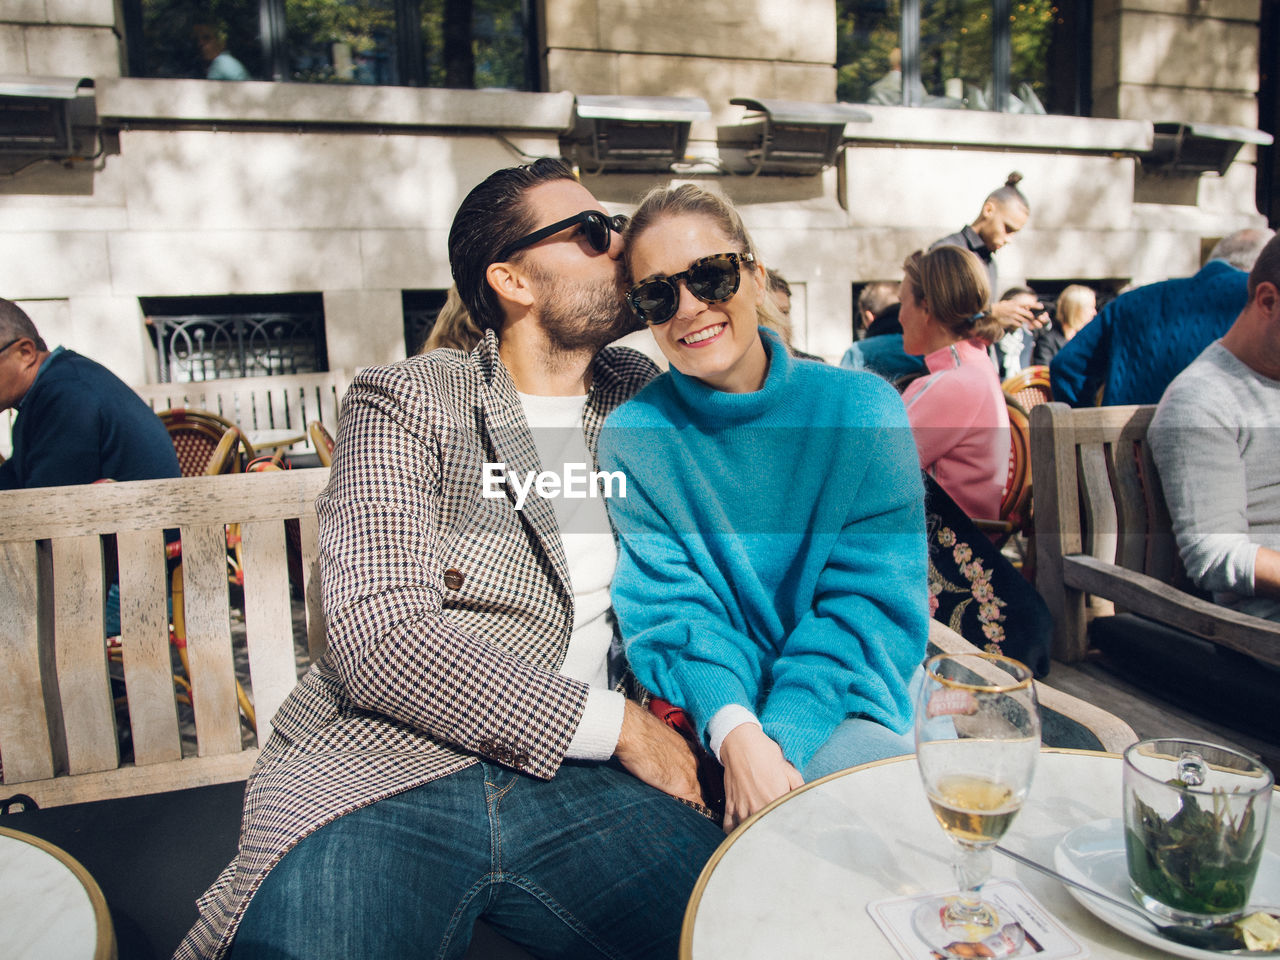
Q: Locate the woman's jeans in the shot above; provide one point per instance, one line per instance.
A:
(592, 863)
(859, 740)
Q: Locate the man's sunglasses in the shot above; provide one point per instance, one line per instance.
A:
(596, 227)
(11, 343)
(711, 279)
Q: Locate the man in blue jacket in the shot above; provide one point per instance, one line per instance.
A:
(1144, 338)
(77, 421)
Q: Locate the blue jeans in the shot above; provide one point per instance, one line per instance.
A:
(592, 863)
(859, 740)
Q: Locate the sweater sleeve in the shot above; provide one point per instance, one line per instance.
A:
(1078, 369)
(679, 639)
(854, 651)
(1202, 473)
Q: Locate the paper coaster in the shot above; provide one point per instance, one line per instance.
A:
(1027, 928)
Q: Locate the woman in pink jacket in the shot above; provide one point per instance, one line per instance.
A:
(957, 410)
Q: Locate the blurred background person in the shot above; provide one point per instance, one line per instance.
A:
(1076, 306)
(1013, 351)
(1003, 213)
(211, 38)
(1142, 339)
(454, 327)
(957, 410)
(780, 294)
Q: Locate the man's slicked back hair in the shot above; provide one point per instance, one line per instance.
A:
(493, 215)
(1266, 269)
(1241, 249)
(15, 323)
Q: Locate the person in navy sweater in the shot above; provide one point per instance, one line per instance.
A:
(77, 421)
(772, 565)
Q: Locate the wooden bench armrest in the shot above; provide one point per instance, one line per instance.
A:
(1112, 732)
(1158, 601)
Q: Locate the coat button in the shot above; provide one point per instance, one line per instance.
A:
(453, 579)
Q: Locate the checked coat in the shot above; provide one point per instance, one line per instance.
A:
(448, 613)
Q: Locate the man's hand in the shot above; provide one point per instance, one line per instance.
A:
(755, 773)
(1013, 314)
(654, 753)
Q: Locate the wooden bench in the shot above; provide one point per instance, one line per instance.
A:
(287, 402)
(1102, 528)
(58, 736)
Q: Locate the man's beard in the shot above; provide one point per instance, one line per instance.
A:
(580, 317)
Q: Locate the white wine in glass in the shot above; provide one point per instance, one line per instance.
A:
(977, 738)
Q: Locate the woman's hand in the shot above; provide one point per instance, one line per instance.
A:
(755, 773)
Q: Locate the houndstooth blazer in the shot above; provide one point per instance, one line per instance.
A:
(448, 613)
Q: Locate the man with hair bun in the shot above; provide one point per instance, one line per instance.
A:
(1003, 213)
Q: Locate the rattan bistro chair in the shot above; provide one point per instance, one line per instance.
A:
(205, 442)
(322, 441)
(1029, 387)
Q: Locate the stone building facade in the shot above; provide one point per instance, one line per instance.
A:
(346, 192)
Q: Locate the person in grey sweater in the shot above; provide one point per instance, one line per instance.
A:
(1216, 442)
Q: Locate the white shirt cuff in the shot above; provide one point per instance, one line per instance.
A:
(597, 735)
(726, 718)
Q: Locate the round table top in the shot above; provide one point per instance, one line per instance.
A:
(795, 879)
(274, 438)
(50, 907)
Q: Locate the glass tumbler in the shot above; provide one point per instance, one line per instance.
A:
(1195, 821)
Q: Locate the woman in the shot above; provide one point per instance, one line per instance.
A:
(957, 410)
(772, 575)
(1077, 305)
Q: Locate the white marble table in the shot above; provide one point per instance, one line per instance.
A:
(795, 880)
(50, 908)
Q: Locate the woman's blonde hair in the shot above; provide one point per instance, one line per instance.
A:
(1072, 303)
(953, 283)
(690, 200)
(453, 327)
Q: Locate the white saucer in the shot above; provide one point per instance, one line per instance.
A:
(1093, 854)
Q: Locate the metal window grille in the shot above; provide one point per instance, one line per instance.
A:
(199, 347)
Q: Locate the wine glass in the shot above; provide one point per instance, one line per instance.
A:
(977, 738)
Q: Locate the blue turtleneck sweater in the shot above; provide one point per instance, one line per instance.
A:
(772, 549)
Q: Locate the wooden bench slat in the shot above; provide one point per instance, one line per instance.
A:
(129, 780)
(1159, 601)
(309, 531)
(80, 652)
(146, 504)
(206, 612)
(268, 619)
(24, 725)
(1095, 483)
(144, 641)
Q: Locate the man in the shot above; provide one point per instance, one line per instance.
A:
(211, 38)
(873, 298)
(780, 294)
(1144, 338)
(1013, 350)
(77, 421)
(1003, 213)
(446, 759)
(1214, 438)
(880, 351)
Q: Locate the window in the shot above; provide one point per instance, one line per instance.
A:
(437, 43)
(421, 308)
(1019, 56)
(211, 338)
